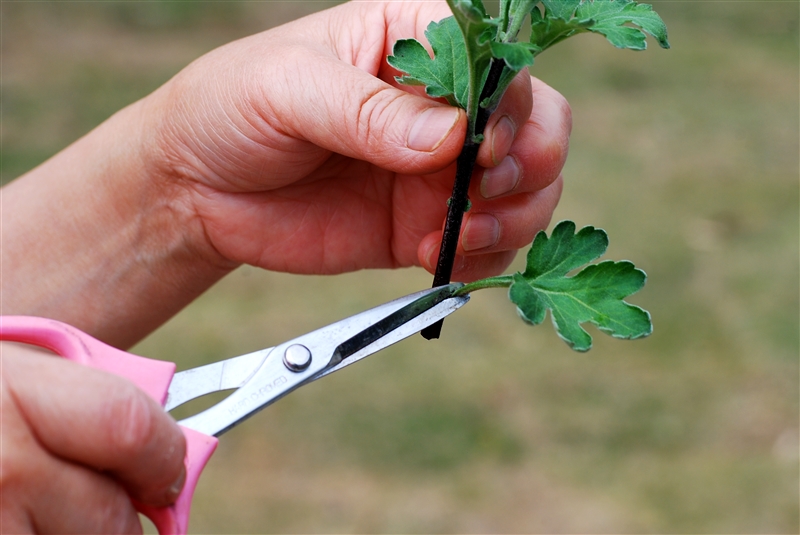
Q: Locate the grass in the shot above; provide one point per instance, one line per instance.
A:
(687, 157)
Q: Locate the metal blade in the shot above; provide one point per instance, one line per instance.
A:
(399, 326)
(348, 340)
(224, 375)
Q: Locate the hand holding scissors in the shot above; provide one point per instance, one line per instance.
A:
(258, 379)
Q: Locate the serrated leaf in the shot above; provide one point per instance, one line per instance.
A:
(563, 19)
(516, 55)
(462, 48)
(446, 74)
(547, 31)
(478, 30)
(610, 17)
(564, 250)
(562, 9)
(594, 295)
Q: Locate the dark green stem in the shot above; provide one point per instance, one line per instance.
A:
(459, 199)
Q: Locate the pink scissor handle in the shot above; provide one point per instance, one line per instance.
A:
(175, 518)
(152, 376)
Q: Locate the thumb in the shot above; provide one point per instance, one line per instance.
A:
(346, 110)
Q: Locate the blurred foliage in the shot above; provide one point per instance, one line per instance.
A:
(687, 157)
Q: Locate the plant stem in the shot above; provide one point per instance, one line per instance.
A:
(458, 201)
(503, 281)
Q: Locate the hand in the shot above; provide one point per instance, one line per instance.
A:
(292, 150)
(77, 444)
(300, 153)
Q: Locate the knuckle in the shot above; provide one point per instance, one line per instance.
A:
(376, 109)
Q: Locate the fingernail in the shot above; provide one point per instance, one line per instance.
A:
(502, 137)
(431, 256)
(481, 231)
(501, 179)
(432, 128)
(176, 488)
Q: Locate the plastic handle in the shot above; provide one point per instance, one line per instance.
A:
(152, 376)
(175, 518)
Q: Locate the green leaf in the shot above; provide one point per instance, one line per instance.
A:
(549, 30)
(477, 28)
(446, 74)
(465, 44)
(562, 9)
(594, 295)
(610, 18)
(479, 31)
(516, 55)
(462, 50)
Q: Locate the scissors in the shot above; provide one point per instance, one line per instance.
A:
(258, 379)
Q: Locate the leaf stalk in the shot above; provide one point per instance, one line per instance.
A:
(502, 281)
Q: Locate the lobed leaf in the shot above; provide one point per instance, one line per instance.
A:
(516, 55)
(446, 74)
(595, 295)
(565, 18)
(610, 17)
(562, 9)
(564, 250)
(465, 44)
(549, 30)
(478, 32)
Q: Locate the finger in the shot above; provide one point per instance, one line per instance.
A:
(74, 499)
(512, 113)
(102, 421)
(471, 268)
(467, 268)
(503, 225)
(348, 111)
(539, 150)
(44, 494)
(342, 104)
(408, 19)
(508, 223)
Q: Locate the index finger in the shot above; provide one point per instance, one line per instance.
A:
(101, 421)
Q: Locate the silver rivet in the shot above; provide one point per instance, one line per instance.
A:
(297, 357)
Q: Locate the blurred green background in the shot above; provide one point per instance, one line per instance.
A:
(688, 158)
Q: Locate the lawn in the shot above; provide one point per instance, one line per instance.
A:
(687, 157)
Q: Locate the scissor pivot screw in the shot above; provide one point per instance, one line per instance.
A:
(297, 357)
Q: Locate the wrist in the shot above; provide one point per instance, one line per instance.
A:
(100, 238)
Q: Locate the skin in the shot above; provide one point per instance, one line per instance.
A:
(292, 150)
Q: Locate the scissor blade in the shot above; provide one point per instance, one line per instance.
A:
(224, 375)
(406, 322)
(351, 339)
